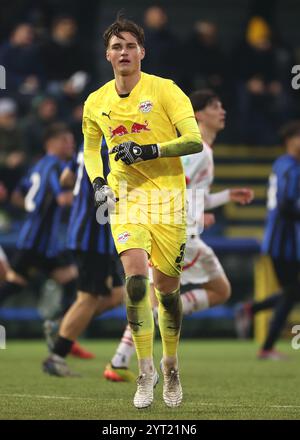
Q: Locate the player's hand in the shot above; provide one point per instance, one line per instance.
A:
(130, 152)
(244, 196)
(209, 220)
(65, 198)
(103, 194)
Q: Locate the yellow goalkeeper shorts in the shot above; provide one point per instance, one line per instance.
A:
(164, 243)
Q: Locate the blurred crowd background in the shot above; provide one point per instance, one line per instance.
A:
(53, 55)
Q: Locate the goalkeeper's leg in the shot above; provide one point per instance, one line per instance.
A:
(138, 306)
(140, 319)
(167, 290)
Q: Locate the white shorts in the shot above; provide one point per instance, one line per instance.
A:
(200, 263)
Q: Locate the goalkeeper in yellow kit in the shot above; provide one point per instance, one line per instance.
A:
(148, 122)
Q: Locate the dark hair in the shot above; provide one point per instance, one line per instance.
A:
(289, 130)
(55, 130)
(123, 25)
(202, 98)
(62, 17)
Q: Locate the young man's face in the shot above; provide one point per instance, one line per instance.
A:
(293, 144)
(125, 54)
(212, 116)
(63, 145)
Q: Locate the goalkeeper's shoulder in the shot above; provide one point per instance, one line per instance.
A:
(165, 83)
(167, 89)
(159, 83)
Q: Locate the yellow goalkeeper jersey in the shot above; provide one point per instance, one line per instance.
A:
(147, 115)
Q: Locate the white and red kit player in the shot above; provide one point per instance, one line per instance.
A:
(201, 265)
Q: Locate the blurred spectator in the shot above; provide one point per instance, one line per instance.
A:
(162, 48)
(65, 58)
(262, 101)
(44, 112)
(205, 60)
(3, 192)
(12, 155)
(4, 221)
(75, 123)
(21, 58)
(285, 59)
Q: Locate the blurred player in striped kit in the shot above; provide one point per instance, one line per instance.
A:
(4, 265)
(281, 243)
(100, 282)
(40, 193)
(203, 281)
(40, 248)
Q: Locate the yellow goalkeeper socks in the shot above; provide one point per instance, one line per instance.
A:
(139, 314)
(169, 320)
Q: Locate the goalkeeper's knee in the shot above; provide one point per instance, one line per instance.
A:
(136, 286)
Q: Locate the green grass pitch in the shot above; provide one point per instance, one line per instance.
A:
(221, 380)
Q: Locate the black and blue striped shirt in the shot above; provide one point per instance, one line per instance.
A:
(282, 231)
(40, 188)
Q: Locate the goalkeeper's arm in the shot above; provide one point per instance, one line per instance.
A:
(92, 144)
(94, 166)
(92, 157)
(93, 163)
(189, 142)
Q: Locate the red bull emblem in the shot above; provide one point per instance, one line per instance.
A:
(138, 128)
(145, 106)
(121, 130)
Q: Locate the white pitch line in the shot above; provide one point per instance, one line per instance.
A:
(36, 396)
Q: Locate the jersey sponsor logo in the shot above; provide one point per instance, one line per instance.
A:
(145, 106)
(123, 237)
(138, 128)
(121, 130)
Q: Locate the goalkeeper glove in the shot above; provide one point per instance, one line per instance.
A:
(130, 152)
(103, 194)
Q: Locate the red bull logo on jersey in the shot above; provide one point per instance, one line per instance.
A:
(121, 130)
(138, 128)
(123, 237)
(145, 106)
